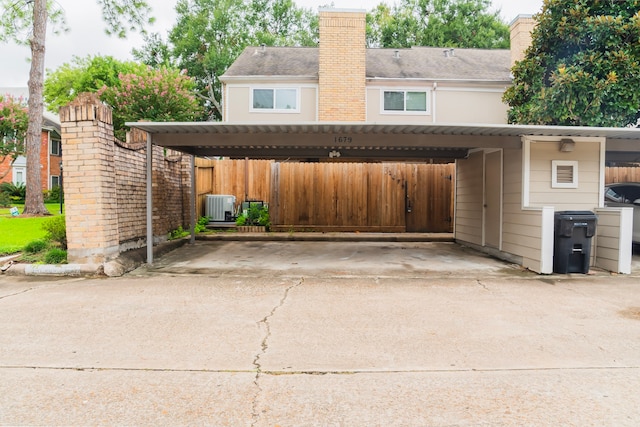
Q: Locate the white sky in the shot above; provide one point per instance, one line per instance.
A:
(86, 35)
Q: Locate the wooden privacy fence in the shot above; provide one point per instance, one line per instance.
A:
(386, 197)
(622, 174)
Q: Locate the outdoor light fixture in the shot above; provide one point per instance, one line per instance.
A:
(567, 145)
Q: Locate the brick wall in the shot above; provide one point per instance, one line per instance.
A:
(342, 74)
(105, 186)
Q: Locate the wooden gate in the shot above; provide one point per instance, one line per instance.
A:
(430, 198)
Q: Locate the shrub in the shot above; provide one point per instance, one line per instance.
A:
(202, 224)
(36, 246)
(53, 195)
(178, 233)
(56, 256)
(16, 192)
(56, 230)
(5, 200)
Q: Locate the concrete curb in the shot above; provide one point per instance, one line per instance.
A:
(124, 263)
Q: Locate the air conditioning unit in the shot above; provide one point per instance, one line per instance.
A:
(220, 207)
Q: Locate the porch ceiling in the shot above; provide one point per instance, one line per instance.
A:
(358, 140)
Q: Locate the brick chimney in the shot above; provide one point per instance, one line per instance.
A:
(342, 66)
(521, 28)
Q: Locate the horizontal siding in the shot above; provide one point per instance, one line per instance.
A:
(585, 197)
(613, 239)
(469, 199)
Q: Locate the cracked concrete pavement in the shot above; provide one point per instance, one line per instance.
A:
(400, 338)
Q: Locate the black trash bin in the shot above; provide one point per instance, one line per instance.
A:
(572, 244)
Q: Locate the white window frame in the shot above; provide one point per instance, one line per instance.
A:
(55, 143)
(19, 171)
(56, 184)
(275, 89)
(555, 164)
(426, 91)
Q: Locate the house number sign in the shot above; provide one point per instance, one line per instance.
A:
(342, 139)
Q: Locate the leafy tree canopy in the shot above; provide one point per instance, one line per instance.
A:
(25, 21)
(210, 34)
(441, 23)
(87, 74)
(582, 67)
(161, 95)
(134, 91)
(13, 127)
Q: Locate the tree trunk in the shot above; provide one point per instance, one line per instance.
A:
(34, 203)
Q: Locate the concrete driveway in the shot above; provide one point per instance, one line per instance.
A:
(315, 340)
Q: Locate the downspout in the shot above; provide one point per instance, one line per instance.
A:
(149, 199)
(433, 115)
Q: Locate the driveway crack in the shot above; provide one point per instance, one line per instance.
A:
(264, 346)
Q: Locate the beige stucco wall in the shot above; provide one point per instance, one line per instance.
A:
(588, 194)
(470, 106)
(238, 109)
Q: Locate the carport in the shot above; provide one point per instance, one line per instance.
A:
(376, 142)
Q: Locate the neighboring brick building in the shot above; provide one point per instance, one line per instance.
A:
(50, 158)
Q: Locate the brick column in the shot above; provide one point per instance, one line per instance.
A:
(521, 29)
(342, 65)
(89, 181)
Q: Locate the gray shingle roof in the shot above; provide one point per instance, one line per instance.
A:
(413, 63)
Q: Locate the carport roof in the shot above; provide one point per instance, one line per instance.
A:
(495, 130)
(361, 140)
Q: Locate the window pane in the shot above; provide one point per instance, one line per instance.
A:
(416, 101)
(394, 101)
(286, 99)
(263, 98)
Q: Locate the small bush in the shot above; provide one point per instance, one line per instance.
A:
(5, 200)
(16, 192)
(178, 233)
(56, 229)
(53, 195)
(202, 224)
(56, 256)
(36, 246)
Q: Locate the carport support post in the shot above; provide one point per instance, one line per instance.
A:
(192, 200)
(149, 199)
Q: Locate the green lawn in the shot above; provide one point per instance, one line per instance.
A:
(15, 232)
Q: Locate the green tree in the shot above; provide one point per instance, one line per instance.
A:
(25, 21)
(153, 95)
(582, 67)
(13, 128)
(87, 74)
(210, 34)
(441, 23)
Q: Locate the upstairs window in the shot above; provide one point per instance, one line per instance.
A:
(275, 100)
(56, 149)
(405, 101)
